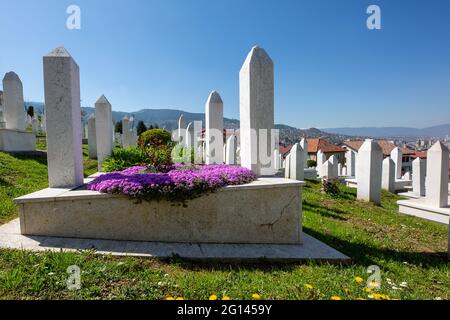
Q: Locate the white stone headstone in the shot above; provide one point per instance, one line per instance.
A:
(230, 152)
(256, 90)
(104, 127)
(369, 171)
(397, 156)
(320, 160)
(35, 124)
(13, 104)
(182, 130)
(297, 167)
(63, 116)
(189, 143)
(304, 145)
(407, 176)
(418, 179)
(388, 178)
(214, 129)
(92, 140)
(287, 167)
(437, 175)
(126, 133)
(350, 163)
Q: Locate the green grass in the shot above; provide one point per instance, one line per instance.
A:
(405, 248)
(23, 174)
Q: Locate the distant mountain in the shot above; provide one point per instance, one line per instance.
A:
(379, 132)
(168, 119)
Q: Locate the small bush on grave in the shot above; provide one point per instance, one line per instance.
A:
(331, 186)
(155, 138)
(185, 155)
(121, 159)
(311, 163)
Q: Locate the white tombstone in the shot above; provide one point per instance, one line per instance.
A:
(126, 133)
(230, 152)
(256, 91)
(63, 115)
(92, 140)
(329, 170)
(407, 176)
(35, 124)
(287, 167)
(369, 171)
(103, 129)
(418, 178)
(437, 176)
(214, 128)
(344, 171)
(350, 163)
(304, 145)
(182, 130)
(388, 178)
(14, 107)
(333, 170)
(320, 160)
(340, 169)
(397, 156)
(297, 167)
(277, 159)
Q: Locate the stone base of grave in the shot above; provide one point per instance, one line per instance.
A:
(266, 211)
(351, 183)
(17, 140)
(409, 195)
(419, 208)
(310, 173)
(10, 238)
(400, 185)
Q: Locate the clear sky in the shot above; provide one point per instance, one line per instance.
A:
(330, 70)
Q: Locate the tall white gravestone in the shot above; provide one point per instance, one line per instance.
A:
(396, 156)
(437, 176)
(320, 160)
(419, 169)
(388, 179)
(256, 90)
(63, 116)
(230, 153)
(369, 171)
(14, 110)
(214, 128)
(350, 163)
(126, 133)
(304, 145)
(92, 140)
(103, 127)
(297, 167)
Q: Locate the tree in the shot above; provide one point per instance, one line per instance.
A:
(118, 127)
(141, 127)
(30, 111)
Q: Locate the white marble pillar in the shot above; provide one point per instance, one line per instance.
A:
(182, 130)
(214, 129)
(63, 116)
(304, 145)
(230, 152)
(256, 91)
(14, 107)
(92, 140)
(189, 143)
(297, 167)
(126, 133)
(419, 167)
(320, 160)
(35, 124)
(388, 175)
(103, 129)
(334, 166)
(397, 156)
(437, 176)
(287, 166)
(369, 171)
(350, 162)
(276, 156)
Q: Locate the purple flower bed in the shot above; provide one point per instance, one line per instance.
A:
(179, 183)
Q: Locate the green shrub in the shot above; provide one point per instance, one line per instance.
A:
(154, 138)
(159, 156)
(122, 159)
(311, 163)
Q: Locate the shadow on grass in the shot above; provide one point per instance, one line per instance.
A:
(325, 212)
(38, 156)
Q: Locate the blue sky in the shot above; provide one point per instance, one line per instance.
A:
(330, 70)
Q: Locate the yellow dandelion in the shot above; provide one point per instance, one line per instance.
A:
(347, 290)
(367, 290)
(360, 299)
(336, 298)
(213, 297)
(170, 298)
(179, 298)
(256, 296)
(226, 298)
(374, 284)
(359, 280)
(308, 286)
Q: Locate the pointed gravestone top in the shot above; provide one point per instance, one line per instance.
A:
(125, 119)
(102, 99)
(438, 146)
(11, 76)
(59, 52)
(214, 97)
(257, 54)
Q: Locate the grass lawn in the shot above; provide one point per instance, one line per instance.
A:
(410, 252)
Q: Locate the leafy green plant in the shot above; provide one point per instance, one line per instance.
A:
(330, 186)
(122, 159)
(154, 138)
(311, 163)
